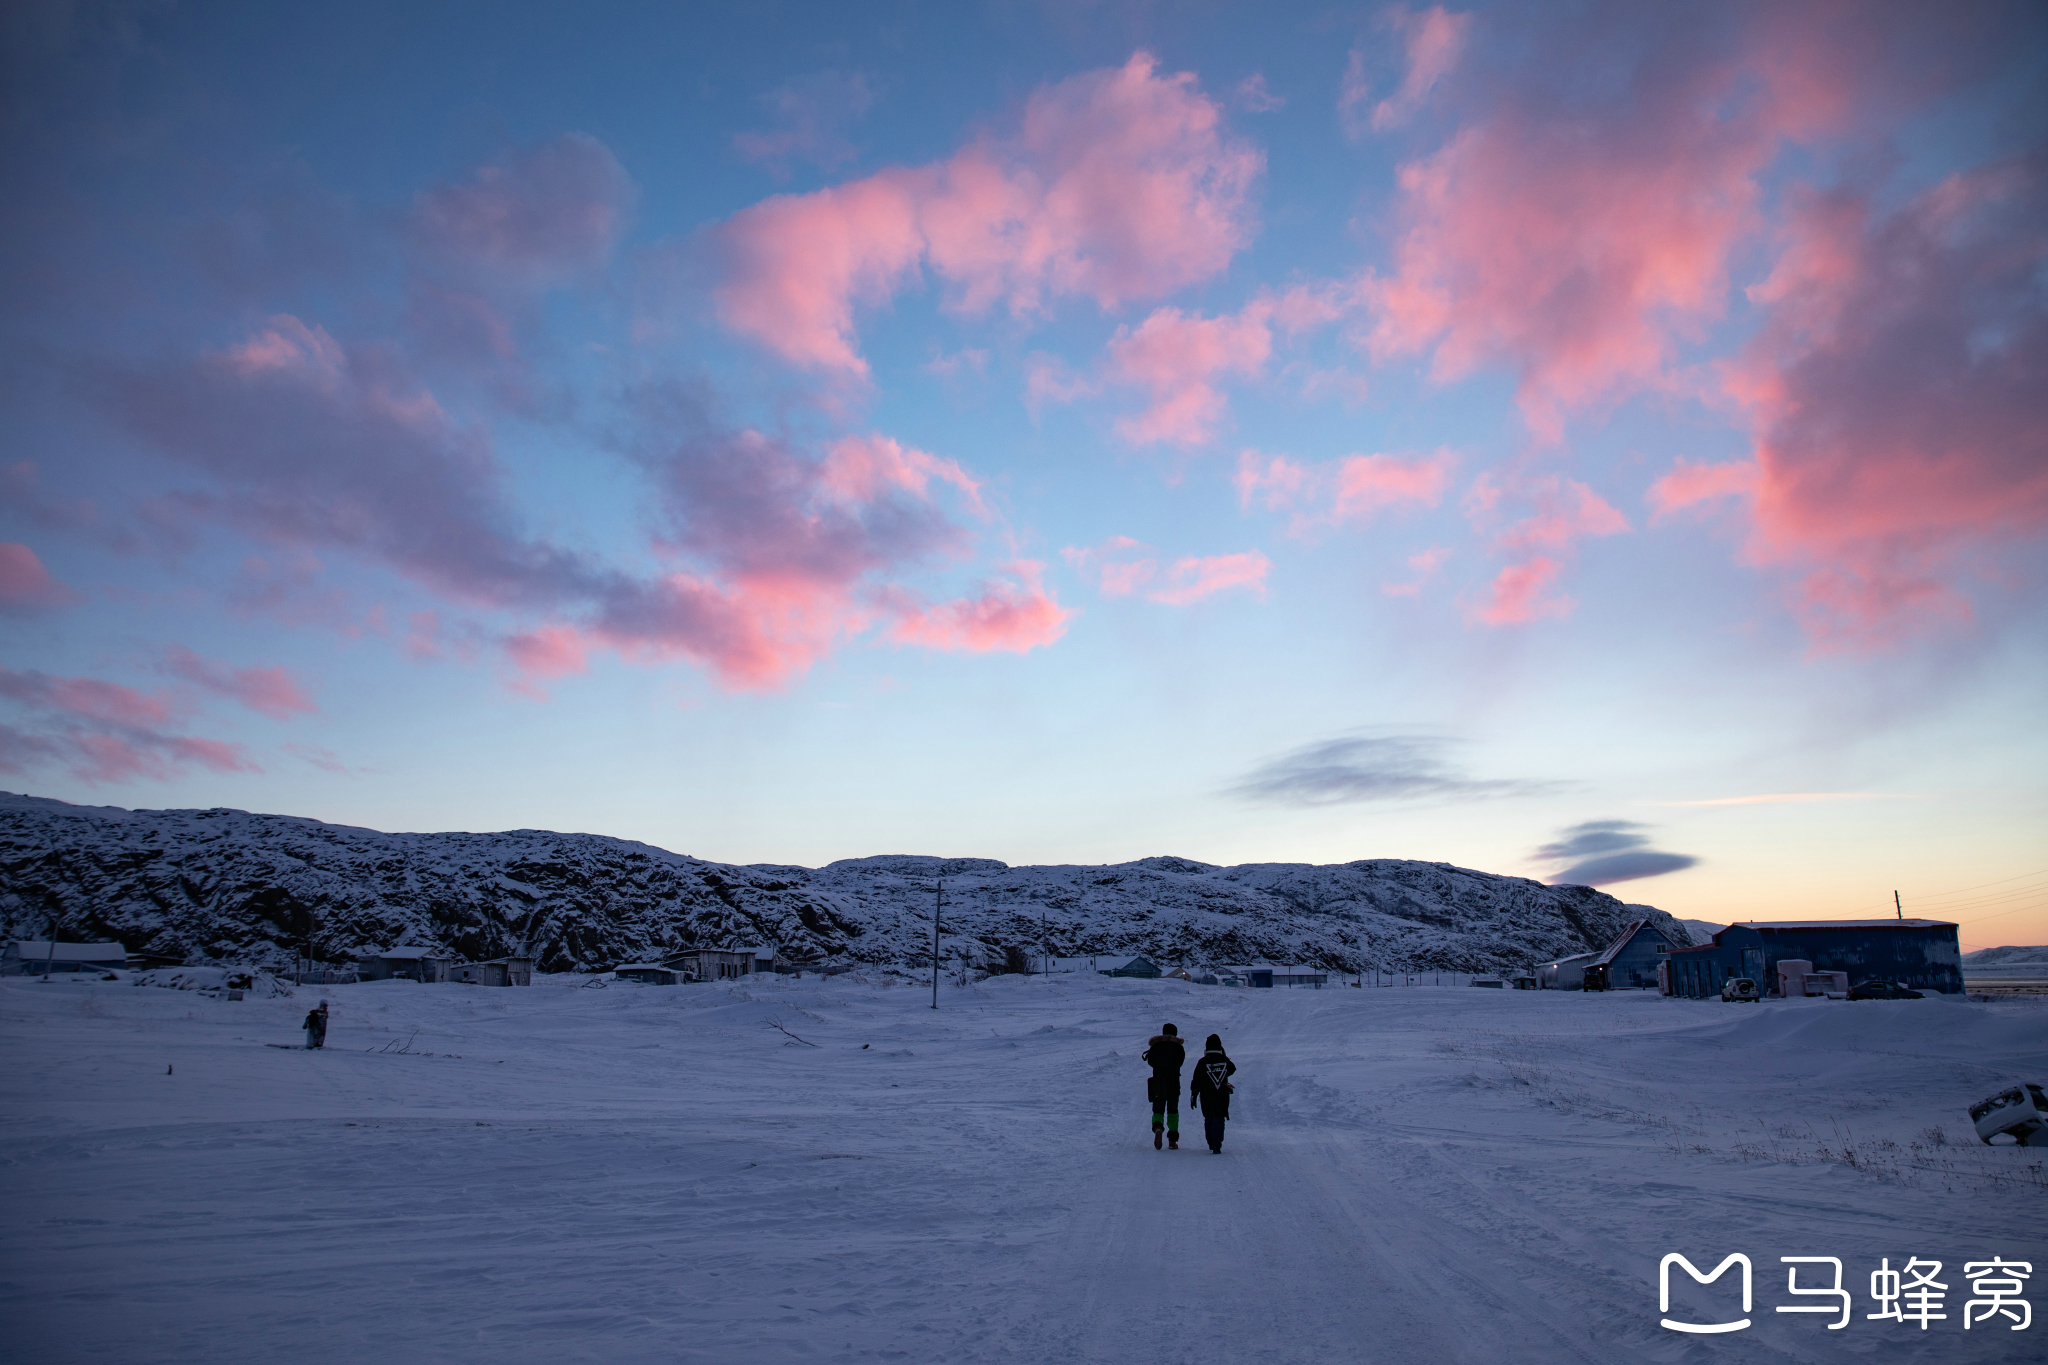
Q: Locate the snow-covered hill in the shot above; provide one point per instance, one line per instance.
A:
(2008, 953)
(203, 884)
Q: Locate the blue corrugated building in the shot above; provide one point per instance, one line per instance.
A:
(1923, 954)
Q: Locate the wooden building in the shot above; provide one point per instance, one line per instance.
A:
(1630, 962)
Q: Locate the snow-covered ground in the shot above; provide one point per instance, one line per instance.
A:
(568, 1173)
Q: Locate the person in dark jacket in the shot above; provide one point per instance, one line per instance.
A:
(316, 1027)
(1210, 1089)
(1166, 1052)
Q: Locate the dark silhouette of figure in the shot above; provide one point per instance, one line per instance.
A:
(1210, 1089)
(1166, 1052)
(316, 1027)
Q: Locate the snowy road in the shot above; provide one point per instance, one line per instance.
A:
(625, 1174)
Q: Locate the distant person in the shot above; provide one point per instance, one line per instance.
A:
(1210, 1089)
(1166, 1052)
(316, 1027)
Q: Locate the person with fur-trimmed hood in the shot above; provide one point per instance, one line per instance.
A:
(1210, 1089)
(1166, 1052)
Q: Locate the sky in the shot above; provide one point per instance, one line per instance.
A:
(1601, 443)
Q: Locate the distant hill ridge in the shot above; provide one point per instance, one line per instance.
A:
(227, 884)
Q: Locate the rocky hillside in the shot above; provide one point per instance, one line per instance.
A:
(223, 884)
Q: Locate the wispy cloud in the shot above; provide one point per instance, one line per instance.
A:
(1375, 768)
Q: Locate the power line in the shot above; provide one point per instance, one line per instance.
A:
(1937, 895)
(1998, 898)
(2001, 914)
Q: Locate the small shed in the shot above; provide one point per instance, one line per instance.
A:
(1137, 966)
(408, 963)
(715, 964)
(498, 971)
(1565, 974)
(649, 974)
(33, 958)
(1630, 962)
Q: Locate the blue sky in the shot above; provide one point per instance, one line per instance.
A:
(1048, 432)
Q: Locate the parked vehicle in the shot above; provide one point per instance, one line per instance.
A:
(2021, 1110)
(1882, 990)
(1739, 988)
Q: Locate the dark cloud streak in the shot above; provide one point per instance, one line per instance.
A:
(1604, 851)
(1383, 768)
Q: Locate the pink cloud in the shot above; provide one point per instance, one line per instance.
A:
(1559, 513)
(794, 266)
(1192, 579)
(1518, 594)
(1366, 484)
(1434, 41)
(1176, 357)
(1354, 93)
(547, 653)
(1357, 486)
(1564, 511)
(1117, 186)
(1584, 229)
(863, 468)
(797, 554)
(271, 692)
(1017, 616)
(25, 585)
(812, 115)
(423, 635)
(1049, 379)
(1180, 357)
(1254, 98)
(1425, 565)
(102, 732)
(1122, 566)
(542, 217)
(971, 359)
(1276, 480)
(1693, 482)
(1895, 397)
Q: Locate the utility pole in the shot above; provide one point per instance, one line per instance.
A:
(51, 951)
(1898, 906)
(939, 892)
